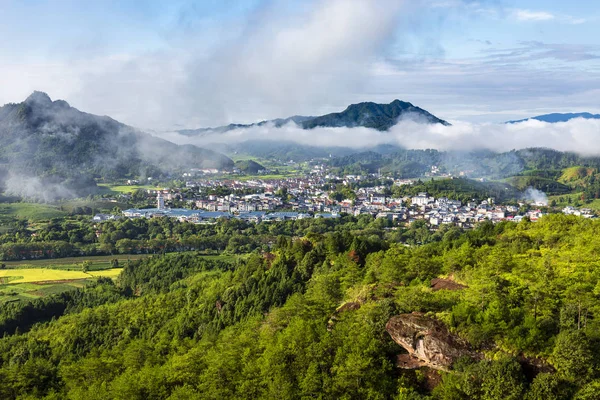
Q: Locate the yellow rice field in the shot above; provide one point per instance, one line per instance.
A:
(43, 275)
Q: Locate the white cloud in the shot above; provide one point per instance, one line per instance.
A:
(276, 62)
(527, 15)
(578, 135)
(541, 16)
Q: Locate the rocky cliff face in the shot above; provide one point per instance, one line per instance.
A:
(427, 342)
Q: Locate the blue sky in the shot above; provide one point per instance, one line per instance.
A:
(158, 64)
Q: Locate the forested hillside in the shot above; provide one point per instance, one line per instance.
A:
(307, 318)
(50, 150)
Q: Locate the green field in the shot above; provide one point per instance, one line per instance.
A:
(31, 279)
(120, 189)
(33, 283)
(30, 211)
(73, 263)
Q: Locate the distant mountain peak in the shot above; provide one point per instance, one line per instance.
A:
(41, 99)
(38, 97)
(558, 117)
(366, 114)
(373, 115)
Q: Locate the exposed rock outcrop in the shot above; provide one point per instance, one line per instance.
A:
(427, 341)
(445, 284)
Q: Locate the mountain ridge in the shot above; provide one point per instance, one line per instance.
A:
(366, 114)
(49, 142)
(558, 117)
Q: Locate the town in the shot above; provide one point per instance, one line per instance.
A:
(320, 195)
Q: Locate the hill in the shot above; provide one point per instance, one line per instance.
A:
(368, 115)
(51, 147)
(373, 115)
(559, 117)
(335, 313)
(278, 122)
(249, 166)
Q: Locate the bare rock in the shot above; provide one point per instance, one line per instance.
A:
(426, 340)
(445, 284)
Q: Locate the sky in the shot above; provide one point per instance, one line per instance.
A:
(188, 64)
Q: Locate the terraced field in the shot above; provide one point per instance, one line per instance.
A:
(40, 275)
(31, 283)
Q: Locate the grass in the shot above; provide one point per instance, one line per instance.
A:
(45, 275)
(30, 291)
(31, 211)
(73, 263)
(120, 189)
(572, 174)
(28, 280)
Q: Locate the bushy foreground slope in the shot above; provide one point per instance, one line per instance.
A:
(181, 326)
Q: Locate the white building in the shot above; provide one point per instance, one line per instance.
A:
(160, 201)
(422, 199)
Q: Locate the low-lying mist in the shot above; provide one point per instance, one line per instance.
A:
(577, 135)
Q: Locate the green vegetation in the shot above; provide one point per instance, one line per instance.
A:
(51, 151)
(123, 189)
(30, 211)
(460, 189)
(371, 115)
(576, 173)
(266, 326)
(74, 263)
(249, 166)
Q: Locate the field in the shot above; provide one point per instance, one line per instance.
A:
(31, 279)
(30, 211)
(26, 275)
(33, 283)
(119, 189)
(73, 263)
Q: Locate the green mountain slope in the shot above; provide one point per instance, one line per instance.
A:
(51, 140)
(373, 115)
(368, 115)
(310, 319)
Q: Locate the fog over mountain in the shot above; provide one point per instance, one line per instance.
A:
(371, 115)
(50, 150)
(559, 117)
(410, 131)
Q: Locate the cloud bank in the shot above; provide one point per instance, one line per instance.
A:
(282, 58)
(577, 135)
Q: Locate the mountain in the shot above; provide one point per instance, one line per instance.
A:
(559, 117)
(368, 115)
(249, 166)
(373, 115)
(44, 143)
(277, 123)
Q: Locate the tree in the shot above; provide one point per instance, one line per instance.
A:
(85, 266)
(572, 355)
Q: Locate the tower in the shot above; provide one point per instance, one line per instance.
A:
(160, 200)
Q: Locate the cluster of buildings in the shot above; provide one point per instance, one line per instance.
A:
(316, 196)
(200, 215)
(446, 211)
